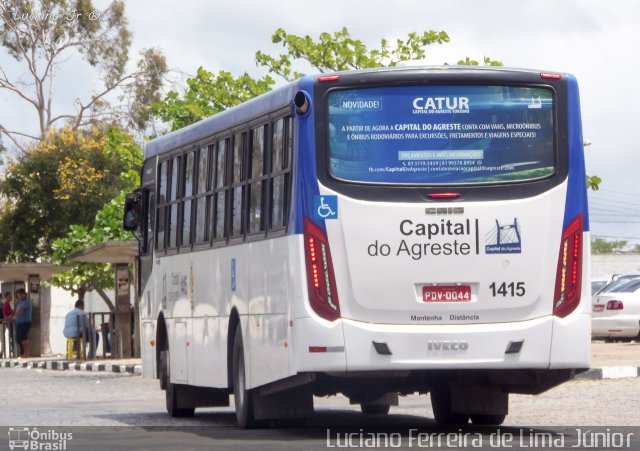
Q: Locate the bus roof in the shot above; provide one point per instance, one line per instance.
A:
(271, 101)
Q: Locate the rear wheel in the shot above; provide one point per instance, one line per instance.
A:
(163, 372)
(374, 409)
(242, 397)
(441, 405)
(171, 393)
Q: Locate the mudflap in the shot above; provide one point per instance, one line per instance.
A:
(478, 399)
(296, 402)
(191, 396)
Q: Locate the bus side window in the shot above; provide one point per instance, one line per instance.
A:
(281, 149)
(174, 200)
(162, 207)
(148, 215)
(238, 185)
(220, 196)
(188, 199)
(203, 202)
(257, 181)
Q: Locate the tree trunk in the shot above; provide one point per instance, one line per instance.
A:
(45, 320)
(81, 292)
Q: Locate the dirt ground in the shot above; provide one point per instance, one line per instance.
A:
(615, 354)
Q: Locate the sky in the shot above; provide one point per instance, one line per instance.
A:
(594, 40)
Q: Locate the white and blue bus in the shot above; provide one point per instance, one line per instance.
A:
(373, 233)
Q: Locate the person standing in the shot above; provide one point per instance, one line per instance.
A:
(7, 311)
(22, 318)
(7, 326)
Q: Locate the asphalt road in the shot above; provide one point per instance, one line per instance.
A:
(116, 411)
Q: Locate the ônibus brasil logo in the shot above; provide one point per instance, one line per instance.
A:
(34, 439)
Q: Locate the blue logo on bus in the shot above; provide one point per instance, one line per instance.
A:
(325, 207)
(504, 239)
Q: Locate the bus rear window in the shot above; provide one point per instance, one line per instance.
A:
(431, 135)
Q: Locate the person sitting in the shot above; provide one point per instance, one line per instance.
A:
(76, 324)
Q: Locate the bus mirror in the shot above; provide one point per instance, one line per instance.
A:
(131, 218)
(301, 101)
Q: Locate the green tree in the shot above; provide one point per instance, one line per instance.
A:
(64, 179)
(208, 93)
(85, 277)
(42, 34)
(338, 51)
(601, 246)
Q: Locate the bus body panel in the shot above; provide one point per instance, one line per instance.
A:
(199, 294)
(571, 339)
(384, 260)
(449, 346)
(570, 345)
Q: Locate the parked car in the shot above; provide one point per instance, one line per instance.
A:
(599, 282)
(616, 312)
(616, 281)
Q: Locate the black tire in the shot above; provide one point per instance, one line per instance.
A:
(243, 398)
(487, 420)
(163, 369)
(171, 394)
(441, 405)
(374, 409)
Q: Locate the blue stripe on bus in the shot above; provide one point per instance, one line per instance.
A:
(576, 200)
(306, 177)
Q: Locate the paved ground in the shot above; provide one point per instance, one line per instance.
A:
(111, 411)
(81, 398)
(106, 410)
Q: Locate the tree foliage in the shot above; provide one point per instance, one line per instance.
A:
(601, 246)
(84, 277)
(208, 94)
(63, 180)
(339, 51)
(593, 182)
(42, 34)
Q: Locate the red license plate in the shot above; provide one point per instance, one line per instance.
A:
(447, 293)
(598, 308)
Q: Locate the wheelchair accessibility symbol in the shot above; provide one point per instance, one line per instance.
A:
(325, 207)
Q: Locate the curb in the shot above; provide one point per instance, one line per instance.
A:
(610, 372)
(64, 365)
(607, 372)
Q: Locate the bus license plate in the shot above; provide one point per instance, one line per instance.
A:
(598, 308)
(447, 293)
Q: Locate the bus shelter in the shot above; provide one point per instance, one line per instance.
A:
(120, 254)
(30, 277)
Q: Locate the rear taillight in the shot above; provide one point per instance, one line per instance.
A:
(569, 274)
(323, 295)
(615, 305)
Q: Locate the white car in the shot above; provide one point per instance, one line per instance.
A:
(599, 282)
(616, 312)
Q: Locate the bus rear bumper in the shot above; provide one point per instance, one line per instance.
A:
(347, 345)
